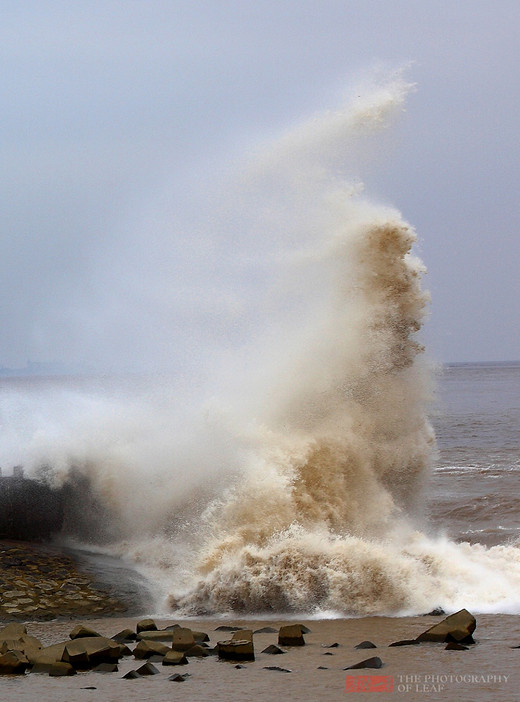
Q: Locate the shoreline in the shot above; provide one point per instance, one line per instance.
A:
(486, 671)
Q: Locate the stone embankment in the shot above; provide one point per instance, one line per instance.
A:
(38, 582)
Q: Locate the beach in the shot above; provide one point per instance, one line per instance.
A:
(488, 670)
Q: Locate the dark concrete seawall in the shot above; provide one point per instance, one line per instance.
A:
(29, 509)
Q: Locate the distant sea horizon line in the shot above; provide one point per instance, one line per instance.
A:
(54, 368)
(480, 363)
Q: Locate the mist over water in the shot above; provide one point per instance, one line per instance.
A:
(284, 469)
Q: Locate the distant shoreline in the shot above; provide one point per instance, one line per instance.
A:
(481, 364)
(42, 370)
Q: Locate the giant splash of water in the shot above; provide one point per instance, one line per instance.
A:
(323, 515)
(338, 462)
(298, 487)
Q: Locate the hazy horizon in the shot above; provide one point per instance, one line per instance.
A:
(124, 247)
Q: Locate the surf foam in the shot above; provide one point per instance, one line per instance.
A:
(299, 485)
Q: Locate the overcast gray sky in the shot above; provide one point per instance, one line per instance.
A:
(116, 115)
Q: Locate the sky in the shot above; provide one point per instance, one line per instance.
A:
(119, 116)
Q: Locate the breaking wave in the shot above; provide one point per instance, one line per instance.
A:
(299, 486)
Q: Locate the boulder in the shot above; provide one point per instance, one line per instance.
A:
(277, 667)
(179, 678)
(200, 636)
(183, 639)
(124, 650)
(125, 636)
(366, 644)
(47, 655)
(291, 635)
(157, 635)
(30, 643)
(405, 642)
(458, 627)
(78, 658)
(243, 635)
(41, 668)
(273, 650)
(13, 663)
(131, 675)
(453, 646)
(146, 649)
(12, 631)
(374, 662)
(61, 669)
(105, 668)
(86, 652)
(81, 632)
(24, 643)
(174, 658)
(146, 625)
(236, 650)
(147, 669)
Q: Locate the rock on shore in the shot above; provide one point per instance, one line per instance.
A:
(457, 628)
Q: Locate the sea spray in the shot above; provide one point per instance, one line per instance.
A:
(335, 443)
(343, 453)
(338, 441)
(292, 481)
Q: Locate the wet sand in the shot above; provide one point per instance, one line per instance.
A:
(487, 671)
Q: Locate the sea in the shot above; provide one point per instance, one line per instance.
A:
(474, 490)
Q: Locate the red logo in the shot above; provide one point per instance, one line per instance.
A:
(369, 683)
